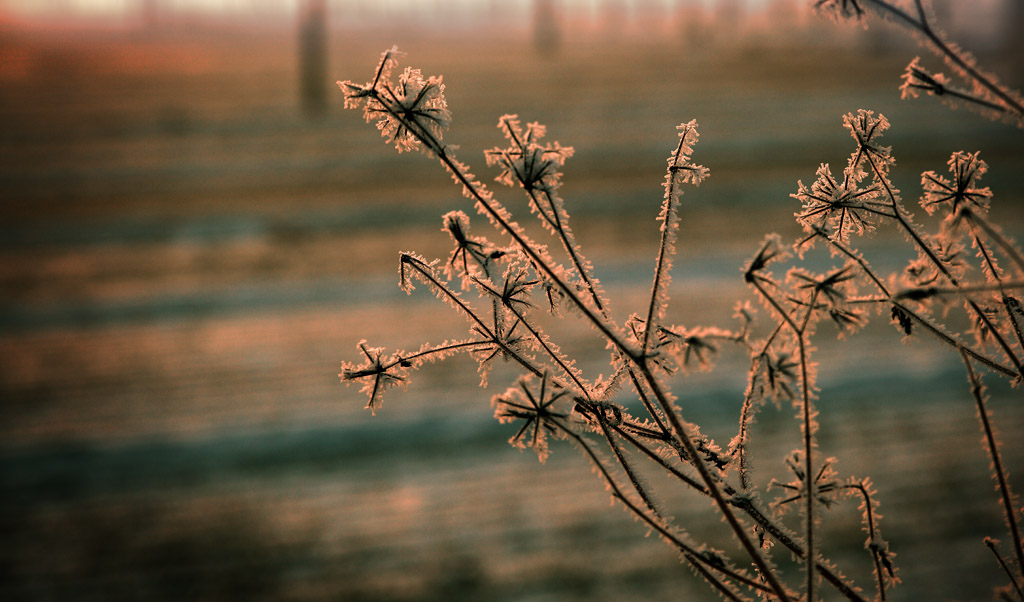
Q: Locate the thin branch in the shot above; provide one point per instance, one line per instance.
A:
(1002, 562)
(711, 483)
(692, 554)
(869, 514)
(1005, 495)
(940, 266)
(942, 47)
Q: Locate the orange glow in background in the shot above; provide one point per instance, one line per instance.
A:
(189, 248)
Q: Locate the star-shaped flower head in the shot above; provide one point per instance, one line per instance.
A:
(409, 113)
(962, 191)
(525, 162)
(866, 128)
(375, 373)
(536, 411)
(841, 209)
(917, 79)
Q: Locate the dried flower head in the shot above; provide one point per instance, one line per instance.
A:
(525, 162)
(917, 79)
(472, 256)
(840, 9)
(680, 164)
(375, 373)
(826, 486)
(535, 409)
(408, 112)
(866, 128)
(962, 191)
(770, 251)
(841, 209)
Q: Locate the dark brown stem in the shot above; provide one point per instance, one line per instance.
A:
(664, 261)
(712, 484)
(1005, 495)
(924, 246)
(921, 24)
(869, 514)
(929, 326)
(691, 554)
(555, 357)
(999, 239)
(621, 459)
(438, 349)
(1006, 569)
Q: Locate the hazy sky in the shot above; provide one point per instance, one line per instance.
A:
(122, 7)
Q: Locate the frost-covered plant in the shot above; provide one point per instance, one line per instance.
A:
(977, 89)
(518, 278)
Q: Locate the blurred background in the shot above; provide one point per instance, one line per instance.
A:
(194, 234)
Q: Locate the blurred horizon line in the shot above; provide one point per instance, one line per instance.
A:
(981, 22)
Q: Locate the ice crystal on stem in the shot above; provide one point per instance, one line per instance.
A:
(840, 208)
(534, 409)
(962, 191)
(376, 374)
(553, 398)
(400, 108)
(526, 162)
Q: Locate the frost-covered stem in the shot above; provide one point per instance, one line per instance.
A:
(869, 514)
(781, 534)
(659, 460)
(668, 232)
(710, 482)
(555, 357)
(942, 90)
(896, 12)
(995, 235)
(1006, 496)
(952, 342)
(441, 349)
(568, 242)
(692, 555)
(646, 400)
(921, 244)
(468, 311)
(1006, 569)
(927, 291)
(921, 24)
(932, 328)
(621, 459)
(992, 268)
(998, 337)
(746, 412)
(806, 426)
(808, 440)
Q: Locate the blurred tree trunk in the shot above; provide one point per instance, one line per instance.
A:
(150, 15)
(1013, 42)
(313, 56)
(546, 33)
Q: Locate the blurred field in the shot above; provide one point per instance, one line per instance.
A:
(185, 259)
